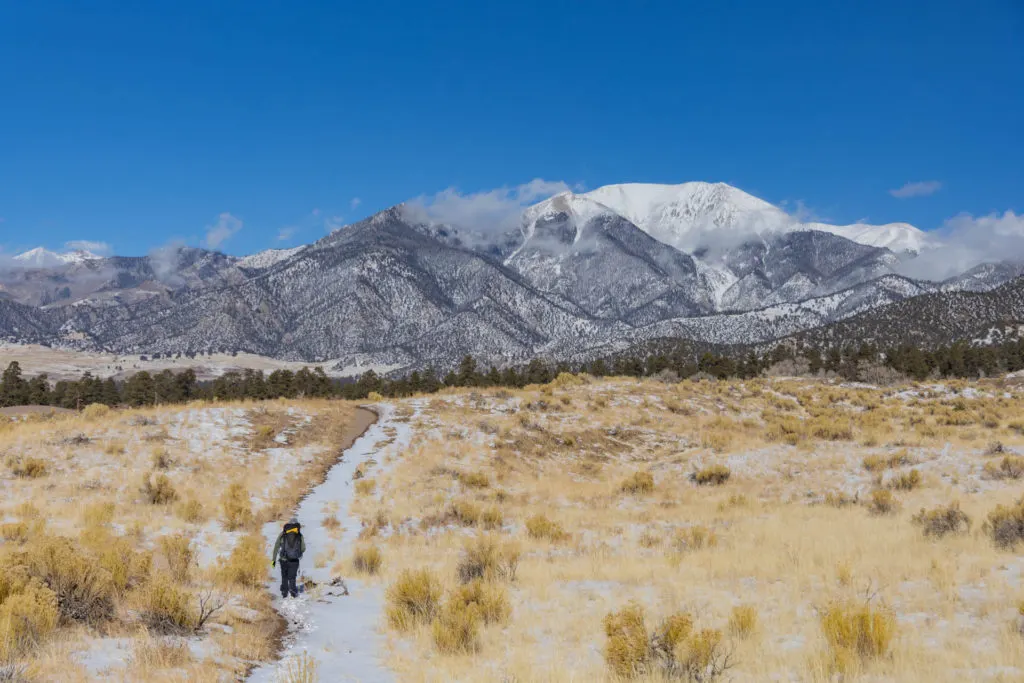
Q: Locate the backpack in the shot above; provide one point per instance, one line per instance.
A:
(291, 544)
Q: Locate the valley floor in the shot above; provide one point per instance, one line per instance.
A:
(584, 530)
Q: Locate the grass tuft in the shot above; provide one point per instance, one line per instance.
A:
(639, 483)
(413, 599)
(856, 634)
(713, 475)
(486, 558)
(237, 507)
(943, 520)
(367, 559)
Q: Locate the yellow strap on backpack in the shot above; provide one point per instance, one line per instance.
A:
(292, 531)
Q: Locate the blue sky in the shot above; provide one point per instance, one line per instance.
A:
(138, 123)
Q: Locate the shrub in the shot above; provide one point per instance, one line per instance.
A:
(167, 609)
(95, 411)
(717, 439)
(490, 600)
(627, 648)
(485, 558)
(237, 507)
(28, 468)
(15, 532)
(695, 538)
(367, 560)
(27, 616)
(831, 428)
(99, 514)
(158, 489)
(674, 650)
(1010, 467)
(540, 527)
(474, 480)
(883, 502)
(465, 512)
(192, 511)
(85, 590)
(161, 458)
(246, 565)
(743, 621)
(856, 633)
(786, 428)
(906, 481)
(262, 438)
(995, 448)
(1005, 525)
(492, 518)
(943, 520)
(456, 629)
(375, 396)
(127, 565)
(366, 487)
(567, 379)
(413, 599)
(713, 475)
(649, 539)
(639, 483)
(877, 463)
(838, 499)
(179, 554)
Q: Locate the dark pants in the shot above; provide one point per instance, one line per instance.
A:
(289, 571)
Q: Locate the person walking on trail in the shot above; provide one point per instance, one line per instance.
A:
(288, 551)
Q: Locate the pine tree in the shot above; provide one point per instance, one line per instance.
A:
(14, 390)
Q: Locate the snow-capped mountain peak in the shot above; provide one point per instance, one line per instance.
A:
(580, 209)
(689, 215)
(44, 258)
(698, 214)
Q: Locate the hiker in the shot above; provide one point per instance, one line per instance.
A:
(288, 551)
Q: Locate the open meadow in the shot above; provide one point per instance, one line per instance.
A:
(131, 545)
(584, 530)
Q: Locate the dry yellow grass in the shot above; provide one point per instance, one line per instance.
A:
(754, 578)
(103, 519)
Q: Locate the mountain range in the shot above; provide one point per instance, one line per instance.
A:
(575, 276)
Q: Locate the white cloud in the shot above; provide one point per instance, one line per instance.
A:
(356, 201)
(497, 209)
(165, 261)
(286, 233)
(218, 233)
(98, 248)
(966, 241)
(918, 189)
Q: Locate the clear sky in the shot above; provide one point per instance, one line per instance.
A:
(138, 123)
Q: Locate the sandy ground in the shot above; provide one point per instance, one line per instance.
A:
(66, 364)
(18, 411)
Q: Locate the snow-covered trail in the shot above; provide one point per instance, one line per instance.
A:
(338, 629)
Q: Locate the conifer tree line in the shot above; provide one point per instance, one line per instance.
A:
(854, 363)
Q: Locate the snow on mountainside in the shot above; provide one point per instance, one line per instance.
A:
(896, 237)
(581, 274)
(692, 215)
(696, 214)
(44, 258)
(265, 259)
